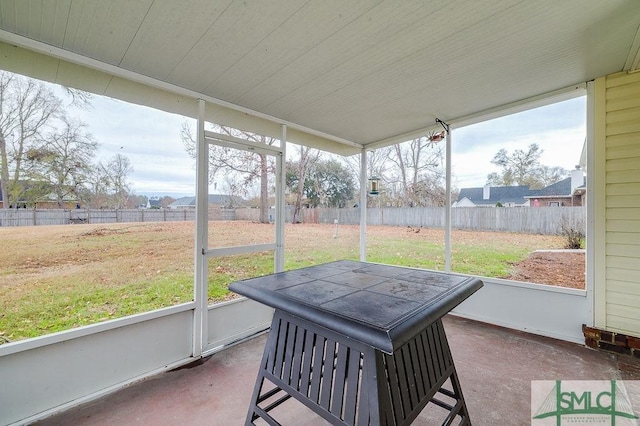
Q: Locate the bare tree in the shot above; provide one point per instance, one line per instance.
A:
(27, 107)
(419, 171)
(79, 98)
(109, 184)
(524, 168)
(307, 157)
(233, 189)
(62, 161)
(248, 167)
(99, 187)
(118, 170)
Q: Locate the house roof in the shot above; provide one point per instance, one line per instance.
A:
(183, 201)
(559, 189)
(497, 194)
(517, 194)
(341, 75)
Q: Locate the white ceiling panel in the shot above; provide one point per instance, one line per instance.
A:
(241, 27)
(182, 23)
(356, 72)
(354, 51)
(103, 30)
(296, 36)
(27, 18)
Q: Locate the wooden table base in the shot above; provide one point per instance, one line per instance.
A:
(350, 383)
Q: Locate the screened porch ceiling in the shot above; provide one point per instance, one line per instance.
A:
(342, 75)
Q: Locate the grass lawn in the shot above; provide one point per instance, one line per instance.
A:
(53, 278)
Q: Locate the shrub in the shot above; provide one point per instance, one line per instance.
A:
(573, 233)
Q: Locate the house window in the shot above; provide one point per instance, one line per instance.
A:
(554, 203)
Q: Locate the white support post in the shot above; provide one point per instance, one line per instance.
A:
(200, 287)
(447, 206)
(363, 206)
(280, 201)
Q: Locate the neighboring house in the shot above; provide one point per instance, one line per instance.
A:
(52, 203)
(567, 192)
(183, 203)
(153, 204)
(46, 201)
(215, 200)
(492, 196)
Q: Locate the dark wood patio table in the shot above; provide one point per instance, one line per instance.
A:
(358, 343)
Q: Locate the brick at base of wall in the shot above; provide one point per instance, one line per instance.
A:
(611, 341)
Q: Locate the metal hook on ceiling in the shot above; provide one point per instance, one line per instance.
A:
(443, 124)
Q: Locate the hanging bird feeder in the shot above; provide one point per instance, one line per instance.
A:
(374, 188)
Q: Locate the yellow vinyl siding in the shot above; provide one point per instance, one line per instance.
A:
(624, 102)
(623, 324)
(622, 237)
(623, 189)
(623, 252)
(624, 139)
(621, 152)
(627, 275)
(624, 287)
(624, 299)
(622, 203)
(629, 176)
(617, 262)
(620, 226)
(624, 163)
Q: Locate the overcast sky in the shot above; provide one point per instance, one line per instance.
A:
(149, 138)
(151, 141)
(559, 129)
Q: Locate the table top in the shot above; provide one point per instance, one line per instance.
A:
(379, 305)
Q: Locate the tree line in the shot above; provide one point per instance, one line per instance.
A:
(412, 173)
(47, 156)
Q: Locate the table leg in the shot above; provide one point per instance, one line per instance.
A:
(349, 383)
(318, 367)
(415, 375)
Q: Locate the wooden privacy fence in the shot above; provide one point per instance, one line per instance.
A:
(527, 220)
(24, 217)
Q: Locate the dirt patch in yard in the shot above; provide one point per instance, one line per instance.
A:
(559, 268)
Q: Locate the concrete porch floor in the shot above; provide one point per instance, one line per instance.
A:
(495, 367)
